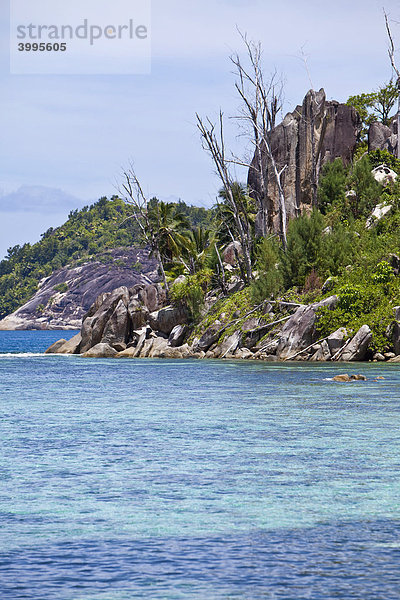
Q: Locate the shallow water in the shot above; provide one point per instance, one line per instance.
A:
(195, 479)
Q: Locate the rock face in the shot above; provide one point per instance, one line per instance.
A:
(300, 332)
(107, 331)
(231, 252)
(63, 298)
(336, 131)
(384, 175)
(357, 348)
(381, 137)
(377, 214)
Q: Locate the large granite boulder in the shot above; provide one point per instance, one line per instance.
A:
(152, 297)
(381, 137)
(299, 332)
(336, 132)
(167, 318)
(209, 337)
(232, 252)
(116, 330)
(93, 326)
(357, 348)
(323, 353)
(69, 294)
(72, 346)
(383, 175)
(380, 211)
(336, 340)
(177, 335)
(100, 351)
(54, 348)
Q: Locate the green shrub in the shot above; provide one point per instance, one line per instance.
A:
(383, 273)
(61, 287)
(383, 157)
(332, 185)
(367, 190)
(270, 279)
(191, 292)
(304, 245)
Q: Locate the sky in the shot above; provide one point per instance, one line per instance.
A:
(66, 139)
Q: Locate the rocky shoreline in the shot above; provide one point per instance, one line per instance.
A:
(136, 323)
(63, 298)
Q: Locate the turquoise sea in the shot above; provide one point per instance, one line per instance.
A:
(158, 479)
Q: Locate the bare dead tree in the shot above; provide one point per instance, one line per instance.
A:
(262, 101)
(132, 192)
(214, 144)
(391, 51)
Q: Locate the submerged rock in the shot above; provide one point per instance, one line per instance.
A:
(345, 378)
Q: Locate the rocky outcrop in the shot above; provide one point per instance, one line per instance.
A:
(107, 331)
(345, 378)
(381, 137)
(122, 320)
(380, 211)
(316, 132)
(300, 330)
(63, 298)
(357, 347)
(101, 351)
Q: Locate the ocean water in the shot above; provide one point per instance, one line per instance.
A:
(156, 479)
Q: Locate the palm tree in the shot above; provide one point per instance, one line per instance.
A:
(169, 226)
(197, 249)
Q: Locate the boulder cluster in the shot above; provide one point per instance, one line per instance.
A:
(129, 323)
(63, 298)
(137, 323)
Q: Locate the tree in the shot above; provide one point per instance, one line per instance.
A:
(332, 185)
(147, 221)
(303, 253)
(262, 101)
(224, 219)
(375, 106)
(170, 226)
(367, 190)
(391, 52)
(269, 281)
(214, 143)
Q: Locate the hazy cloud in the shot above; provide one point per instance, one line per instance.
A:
(38, 199)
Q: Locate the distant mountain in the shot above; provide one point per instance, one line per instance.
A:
(39, 198)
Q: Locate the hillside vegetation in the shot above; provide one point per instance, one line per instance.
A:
(84, 237)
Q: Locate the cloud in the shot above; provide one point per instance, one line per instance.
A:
(39, 199)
